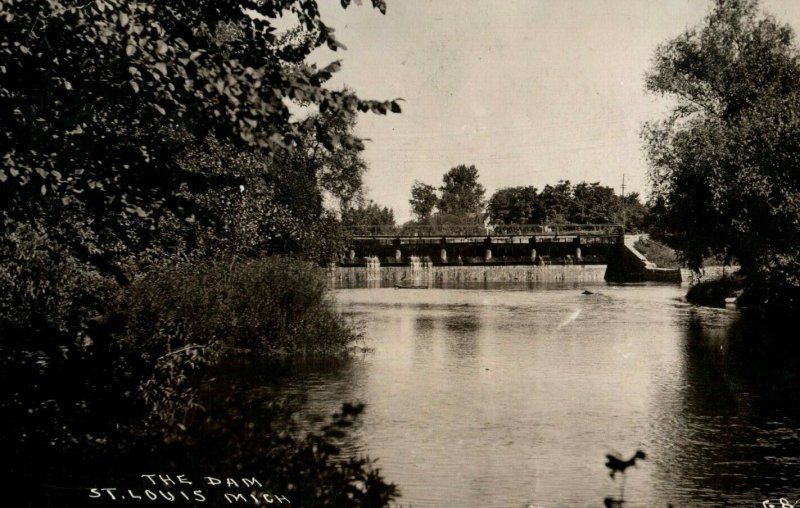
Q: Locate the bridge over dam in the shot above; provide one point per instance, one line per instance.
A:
(502, 252)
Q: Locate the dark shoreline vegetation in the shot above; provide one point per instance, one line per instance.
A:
(152, 364)
(723, 161)
(163, 177)
(777, 302)
(714, 293)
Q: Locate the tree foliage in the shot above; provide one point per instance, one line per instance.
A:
(461, 193)
(134, 132)
(101, 100)
(593, 204)
(423, 200)
(635, 215)
(557, 201)
(458, 201)
(369, 213)
(271, 205)
(582, 203)
(516, 205)
(724, 162)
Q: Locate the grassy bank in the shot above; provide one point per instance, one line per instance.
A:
(658, 253)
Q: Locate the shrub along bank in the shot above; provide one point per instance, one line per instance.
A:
(774, 296)
(713, 293)
(101, 384)
(270, 306)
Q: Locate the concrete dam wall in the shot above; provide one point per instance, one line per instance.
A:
(489, 273)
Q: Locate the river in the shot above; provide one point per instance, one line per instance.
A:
(512, 395)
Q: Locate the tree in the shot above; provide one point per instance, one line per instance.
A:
(637, 215)
(257, 210)
(100, 101)
(515, 205)
(423, 200)
(724, 162)
(368, 214)
(557, 201)
(461, 193)
(139, 129)
(595, 204)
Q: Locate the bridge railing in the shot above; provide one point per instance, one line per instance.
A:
(482, 230)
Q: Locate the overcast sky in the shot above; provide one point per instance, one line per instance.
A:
(529, 91)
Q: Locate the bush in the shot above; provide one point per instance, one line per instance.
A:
(774, 288)
(128, 385)
(714, 292)
(270, 306)
(45, 294)
(49, 304)
(197, 323)
(57, 377)
(247, 435)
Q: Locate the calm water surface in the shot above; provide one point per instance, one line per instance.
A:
(512, 395)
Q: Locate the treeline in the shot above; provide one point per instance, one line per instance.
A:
(460, 200)
(582, 203)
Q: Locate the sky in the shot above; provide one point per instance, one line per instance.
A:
(529, 91)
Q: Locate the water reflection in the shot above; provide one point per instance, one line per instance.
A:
(462, 332)
(508, 396)
(728, 435)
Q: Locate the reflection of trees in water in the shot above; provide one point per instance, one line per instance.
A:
(754, 367)
(458, 327)
(725, 429)
(294, 386)
(424, 330)
(462, 333)
(424, 325)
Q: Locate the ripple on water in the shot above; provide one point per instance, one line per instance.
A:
(512, 396)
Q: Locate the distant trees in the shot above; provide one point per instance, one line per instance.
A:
(516, 205)
(636, 214)
(462, 194)
(459, 199)
(594, 204)
(368, 213)
(583, 203)
(423, 200)
(557, 201)
(724, 162)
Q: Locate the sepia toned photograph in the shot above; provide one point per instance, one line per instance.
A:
(400, 253)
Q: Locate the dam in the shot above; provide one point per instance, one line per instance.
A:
(519, 252)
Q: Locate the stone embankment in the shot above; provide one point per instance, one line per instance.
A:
(707, 273)
(630, 265)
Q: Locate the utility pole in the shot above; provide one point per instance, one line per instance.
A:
(623, 203)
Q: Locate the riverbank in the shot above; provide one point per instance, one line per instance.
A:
(146, 385)
(717, 291)
(774, 297)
